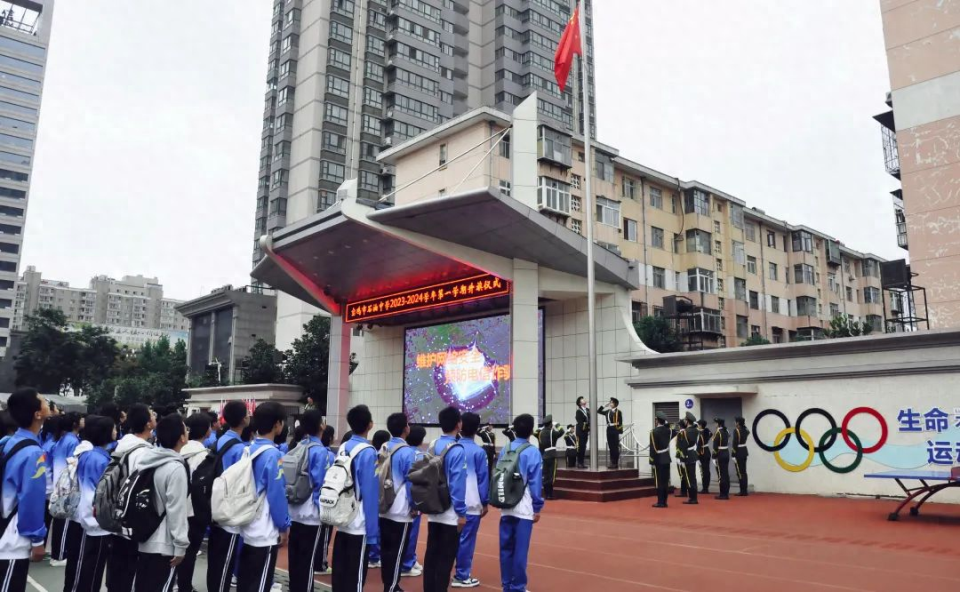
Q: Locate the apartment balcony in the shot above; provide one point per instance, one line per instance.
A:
(891, 154)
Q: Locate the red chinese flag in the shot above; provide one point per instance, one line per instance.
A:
(568, 47)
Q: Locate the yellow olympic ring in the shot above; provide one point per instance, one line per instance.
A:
(810, 446)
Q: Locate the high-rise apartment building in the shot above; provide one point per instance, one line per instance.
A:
(346, 78)
(922, 146)
(24, 38)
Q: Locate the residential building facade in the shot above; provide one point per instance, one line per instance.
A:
(24, 39)
(921, 136)
(746, 273)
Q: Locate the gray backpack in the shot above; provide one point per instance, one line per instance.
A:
(388, 494)
(430, 492)
(296, 469)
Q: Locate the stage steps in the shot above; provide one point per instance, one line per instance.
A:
(605, 485)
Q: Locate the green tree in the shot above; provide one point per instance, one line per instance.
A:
(97, 354)
(658, 334)
(48, 353)
(262, 364)
(843, 325)
(755, 340)
(306, 364)
(154, 375)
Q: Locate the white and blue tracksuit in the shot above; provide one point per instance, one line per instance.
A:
(47, 443)
(62, 531)
(24, 486)
(364, 465)
(261, 538)
(410, 551)
(455, 467)
(306, 533)
(224, 544)
(86, 563)
(62, 450)
(516, 524)
(211, 439)
(477, 495)
(395, 522)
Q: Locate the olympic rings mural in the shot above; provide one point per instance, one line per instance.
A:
(826, 442)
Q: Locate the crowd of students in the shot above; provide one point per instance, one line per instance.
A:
(129, 497)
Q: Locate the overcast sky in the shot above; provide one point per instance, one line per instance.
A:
(152, 110)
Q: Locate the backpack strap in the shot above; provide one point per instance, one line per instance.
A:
(353, 455)
(218, 467)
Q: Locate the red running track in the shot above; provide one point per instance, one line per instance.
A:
(762, 543)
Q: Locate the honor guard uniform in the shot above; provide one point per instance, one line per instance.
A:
(721, 452)
(488, 440)
(614, 428)
(660, 458)
(548, 437)
(570, 437)
(677, 439)
(583, 431)
(509, 433)
(740, 453)
(691, 441)
(703, 450)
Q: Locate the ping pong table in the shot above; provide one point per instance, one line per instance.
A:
(931, 482)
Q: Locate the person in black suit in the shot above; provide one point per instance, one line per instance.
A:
(614, 428)
(721, 452)
(582, 430)
(703, 450)
(660, 458)
(740, 453)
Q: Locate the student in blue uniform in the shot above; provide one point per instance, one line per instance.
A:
(350, 545)
(321, 562)
(222, 544)
(49, 436)
(516, 524)
(411, 568)
(24, 487)
(395, 522)
(476, 496)
(443, 530)
(214, 424)
(305, 531)
(87, 561)
(64, 533)
(379, 439)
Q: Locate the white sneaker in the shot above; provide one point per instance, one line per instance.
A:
(373, 565)
(233, 581)
(413, 572)
(58, 562)
(416, 565)
(467, 583)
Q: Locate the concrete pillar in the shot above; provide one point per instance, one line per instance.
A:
(338, 376)
(523, 141)
(525, 338)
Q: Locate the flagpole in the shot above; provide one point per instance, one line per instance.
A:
(588, 220)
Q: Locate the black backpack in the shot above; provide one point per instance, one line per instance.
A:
(138, 510)
(25, 443)
(201, 485)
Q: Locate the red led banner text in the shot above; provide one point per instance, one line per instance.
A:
(443, 294)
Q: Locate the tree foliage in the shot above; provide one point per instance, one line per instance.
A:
(755, 340)
(262, 364)
(843, 325)
(658, 334)
(306, 363)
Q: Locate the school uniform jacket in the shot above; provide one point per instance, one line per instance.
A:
(265, 529)
(317, 464)
(455, 466)
(400, 464)
(90, 467)
(530, 466)
(24, 486)
(477, 493)
(368, 487)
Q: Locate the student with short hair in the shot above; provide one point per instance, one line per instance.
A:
(476, 497)
(122, 561)
(516, 524)
(214, 422)
(411, 568)
(24, 486)
(223, 541)
(86, 561)
(305, 531)
(395, 522)
(443, 530)
(262, 537)
(350, 545)
(64, 532)
(162, 553)
(194, 452)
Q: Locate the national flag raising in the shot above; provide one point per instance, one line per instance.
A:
(569, 46)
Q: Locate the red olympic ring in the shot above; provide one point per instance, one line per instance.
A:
(879, 418)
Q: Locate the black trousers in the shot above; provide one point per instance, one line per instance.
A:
(321, 559)
(613, 445)
(723, 474)
(741, 462)
(443, 543)
(302, 551)
(350, 558)
(73, 538)
(121, 564)
(683, 479)
(195, 532)
(85, 566)
(690, 472)
(59, 537)
(221, 551)
(13, 575)
(549, 474)
(705, 473)
(661, 476)
(582, 437)
(257, 565)
(571, 458)
(491, 457)
(393, 542)
(154, 573)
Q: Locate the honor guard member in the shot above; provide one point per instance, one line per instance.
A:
(570, 438)
(676, 435)
(548, 437)
(488, 440)
(690, 441)
(721, 454)
(740, 453)
(583, 431)
(660, 458)
(614, 428)
(703, 450)
(509, 433)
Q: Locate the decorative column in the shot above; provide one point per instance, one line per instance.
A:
(338, 376)
(525, 338)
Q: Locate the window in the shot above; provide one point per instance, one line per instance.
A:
(575, 204)
(697, 202)
(720, 288)
(279, 178)
(719, 264)
(803, 274)
(338, 86)
(369, 181)
(369, 151)
(740, 289)
(376, 46)
(608, 212)
(285, 94)
(742, 323)
(775, 304)
(288, 43)
(332, 171)
(554, 195)
(772, 272)
(871, 295)
(505, 147)
(506, 188)
(604, 167)
(673, 204)
(754, 330)
(659, 278)
(576, 226)
(700, 280)
(335, 114)
(334, 143)
(698, 241)
(752, 265)
(736, 215)
(656, 198)
(802, 241)
(630, 231)
(871, 268)
(739, 254)
(750, 232)
(373, 71)
(849, 294)
(717, 248)
(716, 227)
(575, 181)
(340, 59)
(656, 237)
(834, 310)
(341, 32)
(771, 239)
(677, 239)
(754, 300)
(325, 199)
(806, 306)
(371, 124)
(443, 154)
(628, 187)
(343, 6)
(372, 98)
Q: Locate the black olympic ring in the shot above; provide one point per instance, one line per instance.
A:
(786, 424)
(832, 432)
